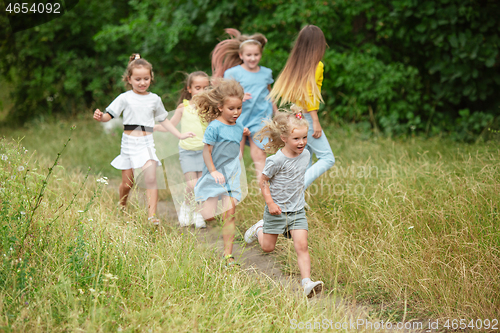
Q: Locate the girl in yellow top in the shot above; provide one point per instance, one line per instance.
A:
(300, 83)
(190, 150)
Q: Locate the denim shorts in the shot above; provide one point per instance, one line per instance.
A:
(283, 223)
(191, 160)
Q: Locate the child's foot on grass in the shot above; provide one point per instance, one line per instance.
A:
(251, 233)
(312, 288)
(230, 261)
(155, 222)
(184, 215)
(199, 221)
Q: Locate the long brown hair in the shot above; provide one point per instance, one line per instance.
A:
(185, 94)
(299, 73)
(226, 54)
(135, 61)
(283, 123)
(208, 102)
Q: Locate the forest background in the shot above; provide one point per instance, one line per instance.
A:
(399, 67)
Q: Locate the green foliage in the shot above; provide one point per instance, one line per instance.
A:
(414, 64)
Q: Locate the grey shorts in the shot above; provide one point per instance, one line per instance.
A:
(191, 160)
(282, 224)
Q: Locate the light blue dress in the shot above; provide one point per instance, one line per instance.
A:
(258, 108)
(225, 142)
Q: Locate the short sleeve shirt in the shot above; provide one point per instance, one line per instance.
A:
(258, 107)
(287, 179)
(138, 109)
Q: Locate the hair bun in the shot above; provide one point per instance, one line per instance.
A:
(133, 57)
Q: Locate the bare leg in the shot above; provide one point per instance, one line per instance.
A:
(228, 229)
(267, 241)
(303, 259)
(149, 170)
(191, 179)
(125, 186)
(258, 157)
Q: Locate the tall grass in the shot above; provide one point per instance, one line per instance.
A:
(72, 261)
(410, 226)
(413, 226)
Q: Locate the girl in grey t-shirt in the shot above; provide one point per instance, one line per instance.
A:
(282, 185)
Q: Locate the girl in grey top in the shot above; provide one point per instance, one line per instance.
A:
(282, 185)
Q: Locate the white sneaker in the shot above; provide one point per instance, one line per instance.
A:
(312, 288)
(250, 235)
(184, 220)
(199, 221)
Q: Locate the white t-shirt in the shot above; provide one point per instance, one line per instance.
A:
(138, 109)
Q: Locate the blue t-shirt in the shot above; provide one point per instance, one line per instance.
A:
(258, 107)
(225, 142)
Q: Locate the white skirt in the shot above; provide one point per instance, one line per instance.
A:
(135, 152)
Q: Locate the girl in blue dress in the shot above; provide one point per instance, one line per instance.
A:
(238, 58)
(220, 106)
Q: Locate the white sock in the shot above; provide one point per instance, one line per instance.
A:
(305, 280)
(257, 232)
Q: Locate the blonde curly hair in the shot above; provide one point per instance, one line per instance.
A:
(208, 102)
(283, 124)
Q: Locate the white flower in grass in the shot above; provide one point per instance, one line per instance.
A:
(4, 157)
(23, 213)
(103, 180)
(92, 290)
(20, 168)
(81, 291)
(411, 227)
(80, 211)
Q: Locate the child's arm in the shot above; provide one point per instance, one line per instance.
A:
(209, 162)
(102, 117)
(316, 125)
(171, 128)
(275, 107)
(274, 209)
(174, 120)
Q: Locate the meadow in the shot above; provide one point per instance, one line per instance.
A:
(408, 227)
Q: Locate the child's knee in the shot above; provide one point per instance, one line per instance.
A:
(330, 160)
(268, 247)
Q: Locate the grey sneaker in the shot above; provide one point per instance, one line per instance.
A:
(250, 235)
(312, 288)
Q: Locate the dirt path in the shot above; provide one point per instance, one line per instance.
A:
(255, 261)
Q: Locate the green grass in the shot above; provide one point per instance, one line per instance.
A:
(410, 227)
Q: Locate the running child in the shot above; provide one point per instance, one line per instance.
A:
(220, 106)
(139, 107)
(282, 185)
(238, 58)
(300, 83)
(191, 149)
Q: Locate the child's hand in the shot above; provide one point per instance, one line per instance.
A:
(98, 115)
(246, 132)
(219, 177)
(274, 209)
(187, 135)
(317, 129)
(246, 97)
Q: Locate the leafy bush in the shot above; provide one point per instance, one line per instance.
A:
(415, 64)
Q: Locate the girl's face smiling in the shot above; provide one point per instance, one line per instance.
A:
(250, 54)
(295, 142)
(198, 84)
(140, 80)
(230, 111)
